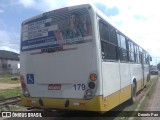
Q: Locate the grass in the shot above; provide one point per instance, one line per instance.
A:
(7, 93)
(144, 103)
(10, 93)
(7, 79)
(149, 94)
(13, 108)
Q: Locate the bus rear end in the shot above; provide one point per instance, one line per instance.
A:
(59, 61)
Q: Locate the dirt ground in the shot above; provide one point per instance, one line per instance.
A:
(154, 103)
(4, 86)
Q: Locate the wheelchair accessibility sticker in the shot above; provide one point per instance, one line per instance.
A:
(30, 78)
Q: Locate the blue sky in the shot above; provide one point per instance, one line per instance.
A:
(139, 20)
(12, 13)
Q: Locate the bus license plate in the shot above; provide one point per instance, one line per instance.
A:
(54, 87)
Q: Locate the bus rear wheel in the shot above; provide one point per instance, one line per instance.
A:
(133, 93)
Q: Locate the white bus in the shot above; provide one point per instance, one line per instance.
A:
(73, 58)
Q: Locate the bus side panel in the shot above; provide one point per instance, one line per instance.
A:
(136, 72)
(111, 84)
(125, 92)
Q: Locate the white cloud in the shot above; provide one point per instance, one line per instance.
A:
(4, 36)
(27, 3)
(1, 11)
(9, 49)
(139, 20)
(2, 6)
(45, 5)
(8, 41)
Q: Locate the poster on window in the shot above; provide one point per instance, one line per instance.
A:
(56, 29)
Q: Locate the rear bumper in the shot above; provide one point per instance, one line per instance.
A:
(94, 104)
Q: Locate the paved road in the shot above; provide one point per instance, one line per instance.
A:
(154, 103)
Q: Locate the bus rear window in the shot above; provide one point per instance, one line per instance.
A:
(54, 29)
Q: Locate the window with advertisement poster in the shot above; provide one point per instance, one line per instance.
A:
(55, 29)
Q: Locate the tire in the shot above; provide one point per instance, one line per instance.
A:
(148, 80)
(133, 93)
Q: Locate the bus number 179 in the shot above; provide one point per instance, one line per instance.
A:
(79, 86)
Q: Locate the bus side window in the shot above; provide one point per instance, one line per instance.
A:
(108, 42)
(122, 48)
(136, 54)
(131, 51)
(145, 58)
(103, 30)
(140, 57)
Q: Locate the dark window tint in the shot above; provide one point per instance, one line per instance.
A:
(136, 54)
(112, 35)
(108, 38)
(104, 34)
(140, 57)
(109, 51)
(108, 33)
(123, 42)
(123, 54)
(131, 51)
